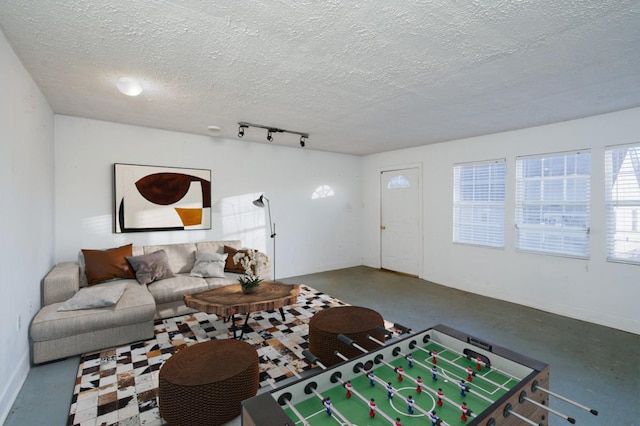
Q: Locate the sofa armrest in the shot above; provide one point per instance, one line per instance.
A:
(61, 283)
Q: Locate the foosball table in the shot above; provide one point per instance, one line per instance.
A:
(439, 376)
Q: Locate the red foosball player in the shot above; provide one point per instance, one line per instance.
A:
(440, 394)
(349, 387)
(465, 411)
(434, 357)
(470, 374)
(479, 364)
(372, 408)
(399, 370)
(419, 384)
(397, 422)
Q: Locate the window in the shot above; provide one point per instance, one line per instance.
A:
(552, 203)
(622, 174)
(399, 182)
(478, 203)
(322, 191)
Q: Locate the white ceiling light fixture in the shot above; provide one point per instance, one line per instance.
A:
(129, 86)
(214, 130)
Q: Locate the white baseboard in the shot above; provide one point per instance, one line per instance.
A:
(11, 389)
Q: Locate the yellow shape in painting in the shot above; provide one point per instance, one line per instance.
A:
(190, 217)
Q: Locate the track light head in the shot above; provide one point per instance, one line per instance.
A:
(241, 131)
(303, 141)
(269, 137)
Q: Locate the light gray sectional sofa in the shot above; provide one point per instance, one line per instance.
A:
(57, 334)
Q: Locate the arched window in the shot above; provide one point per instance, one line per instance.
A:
(399, 182)
(322, 191)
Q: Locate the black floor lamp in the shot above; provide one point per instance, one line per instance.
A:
(272, 226)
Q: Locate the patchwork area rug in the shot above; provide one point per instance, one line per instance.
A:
(119, 386)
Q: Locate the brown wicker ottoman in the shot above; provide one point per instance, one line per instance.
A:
(354, 322)
(205, 383)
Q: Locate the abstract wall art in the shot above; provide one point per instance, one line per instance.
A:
(152, 198)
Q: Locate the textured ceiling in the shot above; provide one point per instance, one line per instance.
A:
(359, 76)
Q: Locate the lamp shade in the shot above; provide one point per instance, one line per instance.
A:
(259, 202)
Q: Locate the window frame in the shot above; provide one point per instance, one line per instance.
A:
(553, 240)
(611, 202)
(466, 212)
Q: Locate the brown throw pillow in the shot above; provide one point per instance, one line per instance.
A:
(105, 265)
(231, 265)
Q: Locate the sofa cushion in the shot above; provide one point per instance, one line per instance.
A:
(218, 246)
(105, 265)
(151, 267)
(209, 265)
(181, 256)
(96, 296)
(172, 289)
(135, 306)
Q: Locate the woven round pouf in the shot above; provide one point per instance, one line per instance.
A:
(205, 383)
(354, 322)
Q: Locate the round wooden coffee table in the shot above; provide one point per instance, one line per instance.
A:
(229, 300)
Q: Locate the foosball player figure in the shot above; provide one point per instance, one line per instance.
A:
(389, 391)
(465, 412)
(434, 357)
(327, 405)
(410, 403)
(479, 364)
(463, 388)
(399, 370)
(440, 394)
(435, 420)
(372, 408)
(470, 374)
(349, 387)
(419, 384)
(397, 422)
(409, 359)
(434, 373)
(372, 380)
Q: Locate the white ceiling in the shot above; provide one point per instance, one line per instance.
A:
(359, 76)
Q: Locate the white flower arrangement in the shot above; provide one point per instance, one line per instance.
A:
(251, 262)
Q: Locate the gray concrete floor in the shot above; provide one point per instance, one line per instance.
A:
(598, 367)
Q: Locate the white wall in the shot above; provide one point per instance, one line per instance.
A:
(26, 215)
(593, 290)
(312, 235)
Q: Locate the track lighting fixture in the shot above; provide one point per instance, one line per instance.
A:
(243, 125)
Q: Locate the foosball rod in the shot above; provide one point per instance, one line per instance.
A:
(288, 403)
(564, 398)
(314, 360)
(523, 397)
(350, 342)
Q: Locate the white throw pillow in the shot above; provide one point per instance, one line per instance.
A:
(209, 265)
(96, 296)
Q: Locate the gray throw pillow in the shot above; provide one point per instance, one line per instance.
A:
(209, 265)
(97, 296)
(151, 267)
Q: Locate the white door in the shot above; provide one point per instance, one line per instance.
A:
(400, 233)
